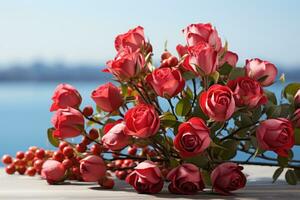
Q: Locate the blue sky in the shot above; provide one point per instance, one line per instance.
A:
(77, 31)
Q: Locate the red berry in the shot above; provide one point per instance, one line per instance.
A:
(62, 145)
(38, 164)
(32, 148)
(164, 63)
(59, 156)
(165, 55)
(19, 162)
(93, 134)
(10, 169)
(88, 111)
(31, 171)
(40, 153)
(29, 155)
(68, 152)
(118, 163)
(121, 174)
(67, 163)
(107, 183)
(21, 170)
(76, 171)
(7, 159)
(20, 155)
(81, 147)
(172, 61)
(132, 150)
(86, 141)
(127, 162)
(96, 149)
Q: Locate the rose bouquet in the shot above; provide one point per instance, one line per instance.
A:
(181, 123)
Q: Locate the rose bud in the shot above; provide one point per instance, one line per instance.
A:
(297, 99)
(192, 137)
(262, 71)
(181, 50)
(146, 178)
(202, 33)
(109, 125)
(133, 39)
(107, 97)
(217, 102)
(229, 58)
(202, 59)
(67, 122)
(64, 96)
(227, 177)
(166, 82)
(247, 92)
(185, 179)
(126, 65)
(296, 118)
(276, 135)
(53, 171)
(92, 168)
(142, 121)
(115, 138)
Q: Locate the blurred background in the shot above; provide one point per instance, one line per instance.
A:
(43, 43)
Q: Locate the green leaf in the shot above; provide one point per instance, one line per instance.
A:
(297, 136)
(53, 140)
(225, 69)
(168, 120)
(282, 110)
(282, 161)
(271, 96)
(215, 76)
(124, 89)
(290, 91)
(189, 93)
(206, 178)
(291, 177)
(236, 72)
(277, 173)
(188, 75)
(230, 149)
(183, 107)
(174, 163)
(200, 160)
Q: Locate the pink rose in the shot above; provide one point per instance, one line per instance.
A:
(166, 82)
(262, 71)
(192, 137)
(126, 65)
(185, 179)
(296, 118)
(133, 39)
(64, 96)
(297, 99)
(227, 177)
(142, 121)
(109, 125)
(107, 97)
(202, 59)
(247, 92)
(217, 102)
(115, 138)
(199, 33)
(229, 58)
(92, 168)
(67, 122)
(53, 171)
(146, 178)
(276, 135)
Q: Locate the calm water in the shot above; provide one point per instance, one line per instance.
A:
(25, 116)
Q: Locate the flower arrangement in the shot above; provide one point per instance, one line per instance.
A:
(181, 123)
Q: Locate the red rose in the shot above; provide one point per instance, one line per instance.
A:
(185, 179)
(227, 177)
(133, 39)
(217, 102)
(142, 121)
(247, 92)
(64, 96)
(166, 82)
(92, 168)
(202, 59)
(192, 137)
(109, 125)
(115, 138)
(297, 99)
(229, 58)
(146, 178)
(262, 71)
(296, 118)
(276, 135)
(67, 123)
(107, 97)
(199, 33)
(53, 171)
(126, 65)
(181, 50)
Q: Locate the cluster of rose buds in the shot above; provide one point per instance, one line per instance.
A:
(215, 109)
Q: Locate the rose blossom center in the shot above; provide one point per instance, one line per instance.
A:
(190, 141)
(283, 137)
(189, 187)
